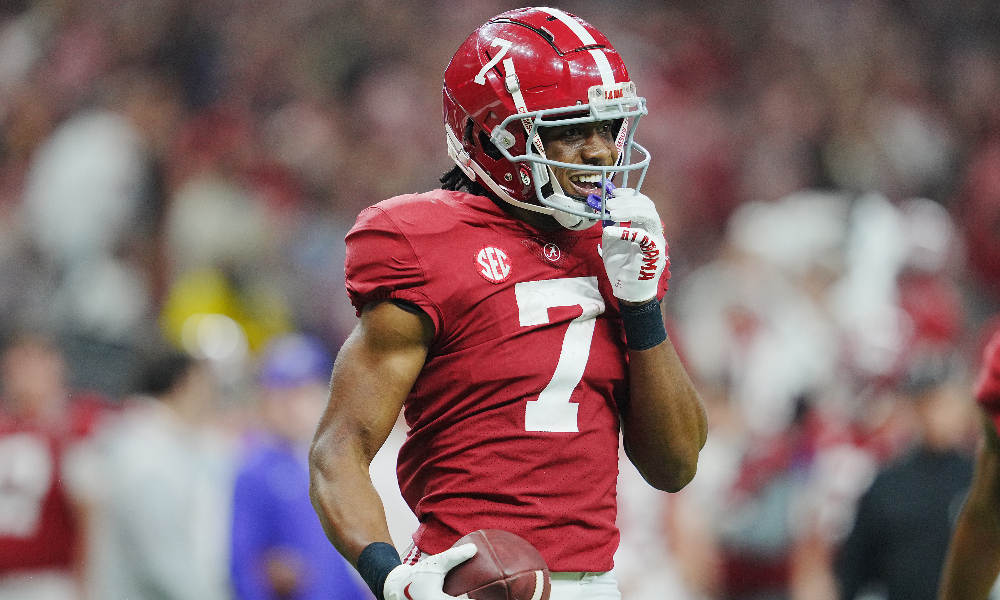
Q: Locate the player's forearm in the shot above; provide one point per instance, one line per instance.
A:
(974, 557)
(973, 562)
(375, 369)
(342, 493)
(664, 427)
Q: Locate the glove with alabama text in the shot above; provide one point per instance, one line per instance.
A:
(424, 580)
(633, 248)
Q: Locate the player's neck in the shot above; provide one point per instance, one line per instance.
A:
(539, 221)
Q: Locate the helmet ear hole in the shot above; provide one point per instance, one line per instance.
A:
(467, 134)
(488, 147)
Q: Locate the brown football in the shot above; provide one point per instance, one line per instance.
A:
(505, 567)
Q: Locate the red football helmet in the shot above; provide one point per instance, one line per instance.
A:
(531, 68)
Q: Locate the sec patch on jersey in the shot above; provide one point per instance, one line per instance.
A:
(505, 567)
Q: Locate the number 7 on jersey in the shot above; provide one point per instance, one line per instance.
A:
(553, 411)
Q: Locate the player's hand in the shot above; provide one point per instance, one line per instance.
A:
(633, 248)
(424, 580)
(988, 383)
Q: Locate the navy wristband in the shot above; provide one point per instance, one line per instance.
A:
(374, 564)
(643, 325)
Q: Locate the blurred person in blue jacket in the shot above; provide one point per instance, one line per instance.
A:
(279, 550)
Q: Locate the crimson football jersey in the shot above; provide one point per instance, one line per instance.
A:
(514, 418)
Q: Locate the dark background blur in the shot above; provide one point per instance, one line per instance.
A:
(150, 149)
(828, 172)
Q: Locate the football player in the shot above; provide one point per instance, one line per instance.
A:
(44, 491)
(974, 557)
(514, 316)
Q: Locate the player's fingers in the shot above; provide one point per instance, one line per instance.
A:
(615, 233)
(638, 210)
(611, 234)
(454, 556)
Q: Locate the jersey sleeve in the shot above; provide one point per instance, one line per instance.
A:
(381, 264)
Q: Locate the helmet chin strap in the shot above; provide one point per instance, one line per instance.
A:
(472, 169)
(546, 175)
(475, 172)
(559, 198)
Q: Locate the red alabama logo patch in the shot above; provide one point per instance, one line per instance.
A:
(493, 264)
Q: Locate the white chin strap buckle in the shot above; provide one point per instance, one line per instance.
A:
(569, 220)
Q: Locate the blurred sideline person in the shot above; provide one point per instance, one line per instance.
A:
(279, 550)
(973, 562)
(519, 334)
(904, 520)
(165, 486)
(42, 518)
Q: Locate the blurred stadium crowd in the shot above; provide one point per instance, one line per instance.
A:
(828, 173)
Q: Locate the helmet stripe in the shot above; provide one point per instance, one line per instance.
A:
(583, 34)
(607, 74)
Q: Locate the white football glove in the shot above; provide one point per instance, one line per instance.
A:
(634, 256)
(424, 580)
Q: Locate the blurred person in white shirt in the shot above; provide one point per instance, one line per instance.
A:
(166, 479)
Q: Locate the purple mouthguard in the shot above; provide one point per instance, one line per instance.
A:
(594, 201)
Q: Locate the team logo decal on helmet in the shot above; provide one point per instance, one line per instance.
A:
(531, 68)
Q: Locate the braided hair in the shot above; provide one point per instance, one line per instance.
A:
(456, 180)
